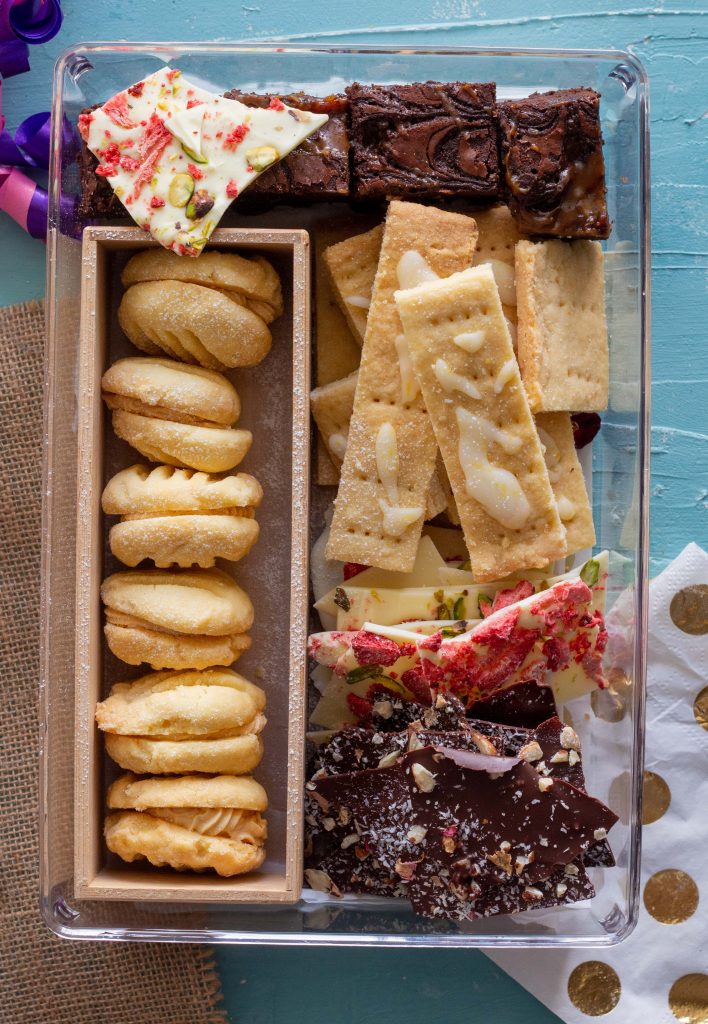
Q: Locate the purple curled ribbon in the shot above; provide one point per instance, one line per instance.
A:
(23, 22)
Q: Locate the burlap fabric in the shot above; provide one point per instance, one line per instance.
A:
(43, 979)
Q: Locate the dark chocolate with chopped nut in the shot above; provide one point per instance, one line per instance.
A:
(453, 833)
(427, 139)
(554, 172)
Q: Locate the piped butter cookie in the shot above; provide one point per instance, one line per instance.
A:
(175, 722)
(177, 414)
(180, 517)
(180, 619)
(193, 822)
(193, 323)
(249, 281)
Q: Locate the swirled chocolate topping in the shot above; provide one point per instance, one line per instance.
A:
(426, 139)
(554, 173)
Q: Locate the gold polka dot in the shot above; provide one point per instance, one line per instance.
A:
(657, 797)
(688, 999)
(671, 896)
(611, 703)
(594, 988)
(689, 609)
(700, 708)
(619, 796)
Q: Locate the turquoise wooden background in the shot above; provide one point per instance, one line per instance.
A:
(342, 986)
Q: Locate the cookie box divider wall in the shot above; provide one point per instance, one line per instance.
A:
(97, 875)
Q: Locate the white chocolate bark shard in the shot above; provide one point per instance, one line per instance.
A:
(177, 155)
(482, 423)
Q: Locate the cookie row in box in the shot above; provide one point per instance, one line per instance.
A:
(184, 733)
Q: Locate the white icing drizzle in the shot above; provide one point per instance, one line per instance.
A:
(506, 440)
(506, 374)
(496, 489)
(396, 518)
(469, 341)
(505, 279)
(552, 455)
(413, 269)
(337, 444)
(512, 331)
(451, 381)
(566, 509)
(409, 382)
(360, 301)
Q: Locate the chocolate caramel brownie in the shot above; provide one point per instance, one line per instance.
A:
(424, 140)
(554, 173)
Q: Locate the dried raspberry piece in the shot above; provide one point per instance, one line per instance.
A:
(84, 125)
(503, 598)
(156, 202)
(129, 164)
(194, 103)
(117, 109)
(276, 104)
(585, 427)
(234, 138)
(109, 155)
(370, 649)
(414, 681)
(352, 569)
(195, 172)
(137, 89)
(150, 148)
(231, 189)
(360, 706)
(556, 652)
(106, 170)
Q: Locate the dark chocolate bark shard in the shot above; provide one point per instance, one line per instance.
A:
(425, 139)
(524, 704)
(496, 827)
(562, 759)
(554, 172)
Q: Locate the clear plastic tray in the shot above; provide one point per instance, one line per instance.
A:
(613, 749)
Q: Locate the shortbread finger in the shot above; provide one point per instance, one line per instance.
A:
(496, 244)
(461, 349)
(391, 450)
(337, 351)
(332, 407)
(352, 268)
(555, 431)
(562, 331)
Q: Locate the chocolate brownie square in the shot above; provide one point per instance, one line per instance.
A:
(553, 166)
(425, 140)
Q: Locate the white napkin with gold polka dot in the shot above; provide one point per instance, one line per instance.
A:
(660, 973)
